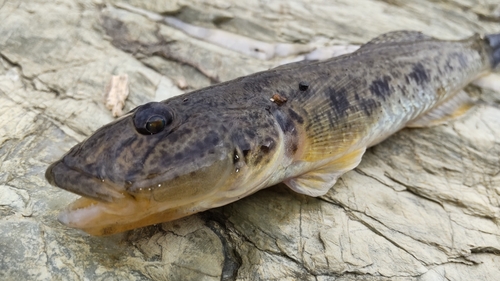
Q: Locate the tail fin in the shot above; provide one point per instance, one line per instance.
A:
(494, 41)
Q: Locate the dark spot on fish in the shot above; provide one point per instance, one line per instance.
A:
(212, 138)
(250, 133)
(178, 156)
(199, 147)
(303, 86)
(258, 159)
(264, 149)
(140, 142)
(402, 89)
(419, 74)
(155, 160)
(254, 116)
(285, 124)
(240, 142)
(173, 137)
(338, 101)
(461, 60)
(151, 176)
(245, 152)
(368, 106)
(356, 96)
(185, 100)
(380, 87)
(294, 147)
(269, 143)
(295, 116)
(90, 168)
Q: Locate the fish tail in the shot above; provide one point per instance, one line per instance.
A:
(493, 41)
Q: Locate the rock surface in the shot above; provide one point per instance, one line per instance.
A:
(423, 205)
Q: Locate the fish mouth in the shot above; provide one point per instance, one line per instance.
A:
(106, 209)
(100, 218)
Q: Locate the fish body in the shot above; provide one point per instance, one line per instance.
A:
(304, 124)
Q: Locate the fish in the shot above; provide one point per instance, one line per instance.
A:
(304, 124)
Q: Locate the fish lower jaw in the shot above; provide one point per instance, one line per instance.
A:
(88, 214)
(101, 218)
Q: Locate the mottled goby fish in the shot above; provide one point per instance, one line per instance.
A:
(304, 124)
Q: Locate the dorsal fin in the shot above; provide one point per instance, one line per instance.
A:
(401, 36)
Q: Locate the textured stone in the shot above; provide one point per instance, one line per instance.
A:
(423, 205)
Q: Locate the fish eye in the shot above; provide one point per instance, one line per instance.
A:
(155, 124)
(152, 118)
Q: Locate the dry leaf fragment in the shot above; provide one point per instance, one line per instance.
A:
(116, 93)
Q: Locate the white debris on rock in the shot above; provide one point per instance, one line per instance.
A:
(116, 93)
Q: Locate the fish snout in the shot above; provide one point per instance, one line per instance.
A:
(60, 175)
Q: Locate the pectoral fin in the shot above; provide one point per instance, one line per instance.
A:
(449, 110)
(319, 181)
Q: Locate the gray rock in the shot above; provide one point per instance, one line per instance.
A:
(423, 205)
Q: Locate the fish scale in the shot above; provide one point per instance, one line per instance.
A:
(304, 124)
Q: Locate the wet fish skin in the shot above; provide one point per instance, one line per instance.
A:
(304, 123)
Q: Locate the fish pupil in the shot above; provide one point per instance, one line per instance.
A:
(155, 124)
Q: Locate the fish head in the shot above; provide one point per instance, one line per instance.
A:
(159, 163)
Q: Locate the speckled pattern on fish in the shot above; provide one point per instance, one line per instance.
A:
(304, 124)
